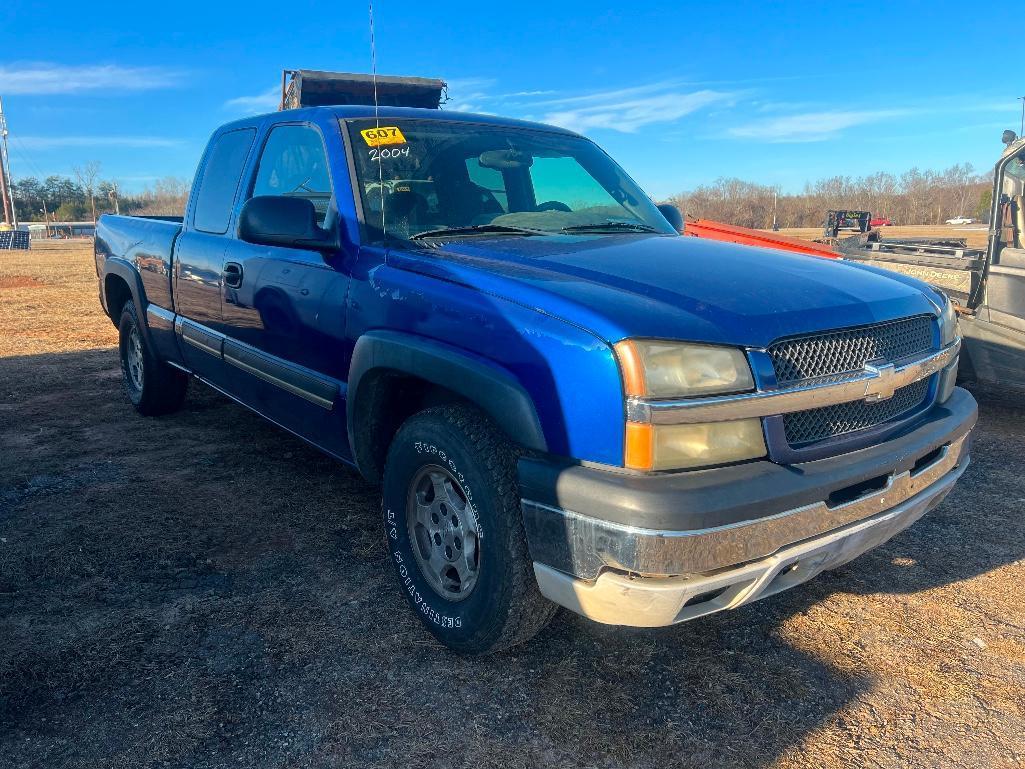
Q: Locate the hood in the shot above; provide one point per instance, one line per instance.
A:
(673, 287)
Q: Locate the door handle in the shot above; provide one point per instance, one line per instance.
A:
(232, 274)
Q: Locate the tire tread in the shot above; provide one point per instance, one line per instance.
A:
(528, 611)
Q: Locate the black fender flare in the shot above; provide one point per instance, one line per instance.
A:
(489, 387)
(128, 273)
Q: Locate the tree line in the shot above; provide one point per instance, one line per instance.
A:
(913, 197)
(67, 199)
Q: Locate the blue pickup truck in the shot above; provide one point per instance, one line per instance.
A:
(565, 402)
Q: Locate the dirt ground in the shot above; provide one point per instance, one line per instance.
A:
(204, 590)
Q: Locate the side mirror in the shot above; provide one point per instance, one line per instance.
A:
(672, 215)
(277, 220)
(1008, 137)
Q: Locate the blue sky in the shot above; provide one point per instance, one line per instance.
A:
(680, 93)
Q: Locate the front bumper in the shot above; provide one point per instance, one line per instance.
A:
(729, 536)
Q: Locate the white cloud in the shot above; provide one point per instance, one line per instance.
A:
(621, 109)
(266, 101)
(597, 97)
(470, 94)
(470, 83)
(56, 142)
(43, 78)
(524, 94)
(630, 109)
(813, 126)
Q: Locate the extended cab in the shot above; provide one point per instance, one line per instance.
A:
(564, 401)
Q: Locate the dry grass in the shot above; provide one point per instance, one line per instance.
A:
(204, 590)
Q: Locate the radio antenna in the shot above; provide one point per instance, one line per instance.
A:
(377, 115)
(373, 60)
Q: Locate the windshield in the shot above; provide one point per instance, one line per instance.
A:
(433, 177)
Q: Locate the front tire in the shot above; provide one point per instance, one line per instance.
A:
(455, 533)
(152, 386)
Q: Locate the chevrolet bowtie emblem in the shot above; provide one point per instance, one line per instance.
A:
(881, 386)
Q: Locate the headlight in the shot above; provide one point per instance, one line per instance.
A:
(655, 369)
(681, 447)
(949, 330)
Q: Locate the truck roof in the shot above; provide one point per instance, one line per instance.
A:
(393, 113)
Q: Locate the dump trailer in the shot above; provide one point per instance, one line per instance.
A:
(315, 88)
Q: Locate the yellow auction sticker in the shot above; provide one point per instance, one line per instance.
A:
(377, 137)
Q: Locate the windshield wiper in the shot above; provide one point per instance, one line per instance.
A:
(476, 229)
(610, 227)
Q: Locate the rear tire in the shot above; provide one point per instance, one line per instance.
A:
(455, 532)
(152, 386)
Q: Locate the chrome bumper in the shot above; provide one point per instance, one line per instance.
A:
(726, 567)
(616, 598)
(655, 552)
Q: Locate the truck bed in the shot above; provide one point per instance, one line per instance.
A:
(145, 242)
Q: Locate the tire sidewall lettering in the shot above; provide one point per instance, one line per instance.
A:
(442, 616)
(409, 585)
(449, 464)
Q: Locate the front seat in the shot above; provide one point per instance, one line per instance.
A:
(404, 212)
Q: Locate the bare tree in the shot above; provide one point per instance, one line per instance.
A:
(914, 197)
(166, 197)
(87, 176)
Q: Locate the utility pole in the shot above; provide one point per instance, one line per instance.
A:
(6, 195)
(1022, 131)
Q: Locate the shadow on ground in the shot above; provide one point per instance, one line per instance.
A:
(205, 590)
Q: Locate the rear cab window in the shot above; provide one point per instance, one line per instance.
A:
(220, 180)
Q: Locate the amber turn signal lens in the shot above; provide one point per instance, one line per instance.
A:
(639, 451)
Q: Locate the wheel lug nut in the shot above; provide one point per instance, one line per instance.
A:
(455, 521)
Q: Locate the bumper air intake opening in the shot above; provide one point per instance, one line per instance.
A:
(927, 459)
(856, 490)
(708, 595)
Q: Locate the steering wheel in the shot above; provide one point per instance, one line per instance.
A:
(553, 205)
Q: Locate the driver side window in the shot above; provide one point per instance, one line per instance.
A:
(294, 164)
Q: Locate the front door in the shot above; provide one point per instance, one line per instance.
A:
(283, 309)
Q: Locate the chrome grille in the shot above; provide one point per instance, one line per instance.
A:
(803, 427)
(849, 349)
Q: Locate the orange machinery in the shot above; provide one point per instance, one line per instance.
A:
(706, 228)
